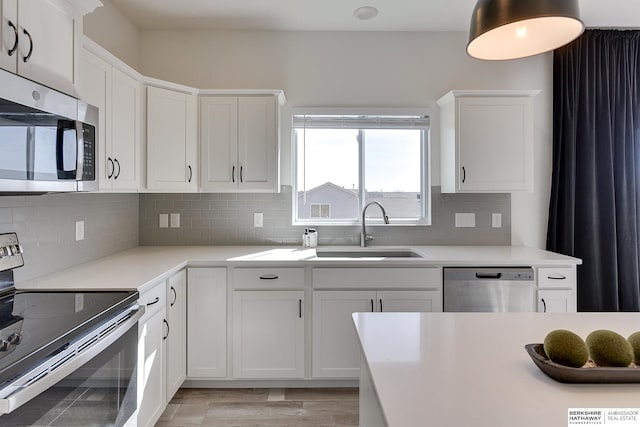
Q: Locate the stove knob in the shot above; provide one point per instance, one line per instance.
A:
(4, 345)
(14, 338)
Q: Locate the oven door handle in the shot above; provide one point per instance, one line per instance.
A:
(42, 377)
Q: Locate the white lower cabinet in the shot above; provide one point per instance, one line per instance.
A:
(151, 363)
(409, 301)
(336, 352)
(176, 337)
(268, 334)
(556, 301)
(207, 323)
(557, 289)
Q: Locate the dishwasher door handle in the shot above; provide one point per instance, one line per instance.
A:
(488, 275)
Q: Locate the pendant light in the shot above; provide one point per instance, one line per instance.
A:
(510, 29)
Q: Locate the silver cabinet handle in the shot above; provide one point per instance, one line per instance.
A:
(15, 43)
(464, 174)
(190, 173)
(26, 33)
(268, 277)
(233, 174)
(557, 277)
(544, 305)
(155, 301)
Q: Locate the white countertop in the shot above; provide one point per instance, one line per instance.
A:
(141, 266)
(471, 369)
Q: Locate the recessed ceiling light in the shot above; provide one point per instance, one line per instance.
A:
(365, 13)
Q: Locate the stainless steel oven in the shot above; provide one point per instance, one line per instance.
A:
(67, 358)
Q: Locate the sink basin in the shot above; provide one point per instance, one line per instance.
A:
(365, 253)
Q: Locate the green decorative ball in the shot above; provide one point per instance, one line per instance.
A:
(634, 340)
(608, 348)
(566, 348)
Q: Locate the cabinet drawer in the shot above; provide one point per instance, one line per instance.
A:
(268, 278)
(153, 300)
(377, 278)
(556, 277)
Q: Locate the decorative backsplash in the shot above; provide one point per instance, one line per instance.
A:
(227, 219)
(46, 228)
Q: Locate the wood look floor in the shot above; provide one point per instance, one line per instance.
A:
(308, 407)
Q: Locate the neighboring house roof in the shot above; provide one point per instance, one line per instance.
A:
(329, 185)
(344, 202)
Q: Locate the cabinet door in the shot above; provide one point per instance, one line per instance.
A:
(47, 32)
(176, 342)
(257, 143)
(95, 88)
(409, 301)
(268, 334)
(125, 122)
(171, 140)
(336, 351)
(207, 323)
(495, 145)
(556, 301)
(9, 35)
(151, 379)
(219, 143)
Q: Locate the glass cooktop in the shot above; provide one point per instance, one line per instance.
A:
(37, 324)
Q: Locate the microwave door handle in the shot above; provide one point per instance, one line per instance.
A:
(65, 125)
(80, 150)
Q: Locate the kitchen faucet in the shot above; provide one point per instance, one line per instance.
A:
(363, 234)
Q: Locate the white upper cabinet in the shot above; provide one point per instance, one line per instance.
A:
(486, 141)
(171, 140)
(118, 96)
(41, 39)
(125, 131)
(9, 35)
(239, 143)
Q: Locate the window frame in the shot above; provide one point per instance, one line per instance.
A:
(425, 169)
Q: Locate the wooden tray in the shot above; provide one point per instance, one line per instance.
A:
(566, 374)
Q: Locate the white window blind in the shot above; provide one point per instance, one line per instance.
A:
(360, 122)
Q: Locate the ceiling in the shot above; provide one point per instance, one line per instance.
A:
(337, 15)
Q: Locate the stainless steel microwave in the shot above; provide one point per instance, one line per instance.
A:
(47, 139)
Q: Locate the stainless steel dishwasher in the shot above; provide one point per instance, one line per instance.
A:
(489, 289)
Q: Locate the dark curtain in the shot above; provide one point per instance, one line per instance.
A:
(594, 207)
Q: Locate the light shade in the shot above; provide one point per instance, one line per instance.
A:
(510, 29)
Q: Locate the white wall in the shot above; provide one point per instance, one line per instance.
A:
(108, 27)
(360, 69)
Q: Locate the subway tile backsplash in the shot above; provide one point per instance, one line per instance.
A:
(227, 219)
(46, 228)
(115, 222)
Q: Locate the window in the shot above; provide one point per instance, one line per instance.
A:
(343, 162)
(320, 210)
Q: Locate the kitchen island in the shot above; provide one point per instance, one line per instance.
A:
(471, 369)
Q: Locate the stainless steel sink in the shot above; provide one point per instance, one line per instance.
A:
(384, 253)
